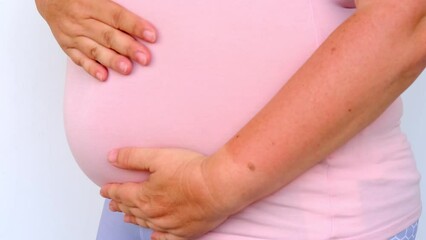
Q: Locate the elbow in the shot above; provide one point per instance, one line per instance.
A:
(402, 21)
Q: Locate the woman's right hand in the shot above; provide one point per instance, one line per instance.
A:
(98, 34)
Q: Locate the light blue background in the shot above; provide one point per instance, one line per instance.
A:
(43, 194)
(414, 125)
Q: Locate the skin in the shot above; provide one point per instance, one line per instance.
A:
(346, 84)
(99, 34)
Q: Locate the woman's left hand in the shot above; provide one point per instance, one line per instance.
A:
(177, 201)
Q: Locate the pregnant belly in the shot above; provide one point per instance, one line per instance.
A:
(216, 64)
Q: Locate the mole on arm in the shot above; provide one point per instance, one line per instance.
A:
(251, 167)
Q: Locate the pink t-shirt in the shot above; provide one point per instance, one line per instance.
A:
(216, 64)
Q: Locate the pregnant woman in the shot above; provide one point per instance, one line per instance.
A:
(255, 119)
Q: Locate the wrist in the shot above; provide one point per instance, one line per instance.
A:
(230, 183)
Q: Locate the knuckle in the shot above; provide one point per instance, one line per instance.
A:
(74, 58)
(94, 52)
(132, 211)
(107, 38)
(137, 28)
(131, 48)
(125, 155)
(113, 192)
(65, 47)
(150, 225)
(117, 17)
(74, 43)
(90, 67)
(139, 222)
(114, 62)
(123, 208)
(142, 201)
(78, 60)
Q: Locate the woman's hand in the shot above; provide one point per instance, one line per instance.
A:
(177, 201)
(97, 34)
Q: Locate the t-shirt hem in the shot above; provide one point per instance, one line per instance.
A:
(384, 233)
(390, 230)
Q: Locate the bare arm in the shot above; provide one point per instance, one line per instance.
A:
(347, 83)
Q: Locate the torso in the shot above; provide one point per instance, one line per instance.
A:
(215, 65)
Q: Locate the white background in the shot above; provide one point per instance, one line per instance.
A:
(43, 194)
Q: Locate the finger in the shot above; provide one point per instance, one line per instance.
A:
(127, 193)
(119, 207)
(130, 211)
(134, 211)
(157, 235)
(118, 17)
(113, 206)
(143, 210)
(132, 158)
(146, 223)
(103, 55)
(118, 41)
(128, 218)
(148, 159)
(123, 208)
(89, 65)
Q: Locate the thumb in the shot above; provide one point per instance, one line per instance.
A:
(133, 158)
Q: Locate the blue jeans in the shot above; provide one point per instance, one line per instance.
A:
(112, 227)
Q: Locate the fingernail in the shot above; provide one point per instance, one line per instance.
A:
(112, 156)
(141, 58)
(149, 35)
(112, 207)
(123, 67)
(102, 192)
(99, 76)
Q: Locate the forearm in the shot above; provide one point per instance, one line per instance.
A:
(346, 84)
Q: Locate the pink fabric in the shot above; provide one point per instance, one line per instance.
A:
(217, 62)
